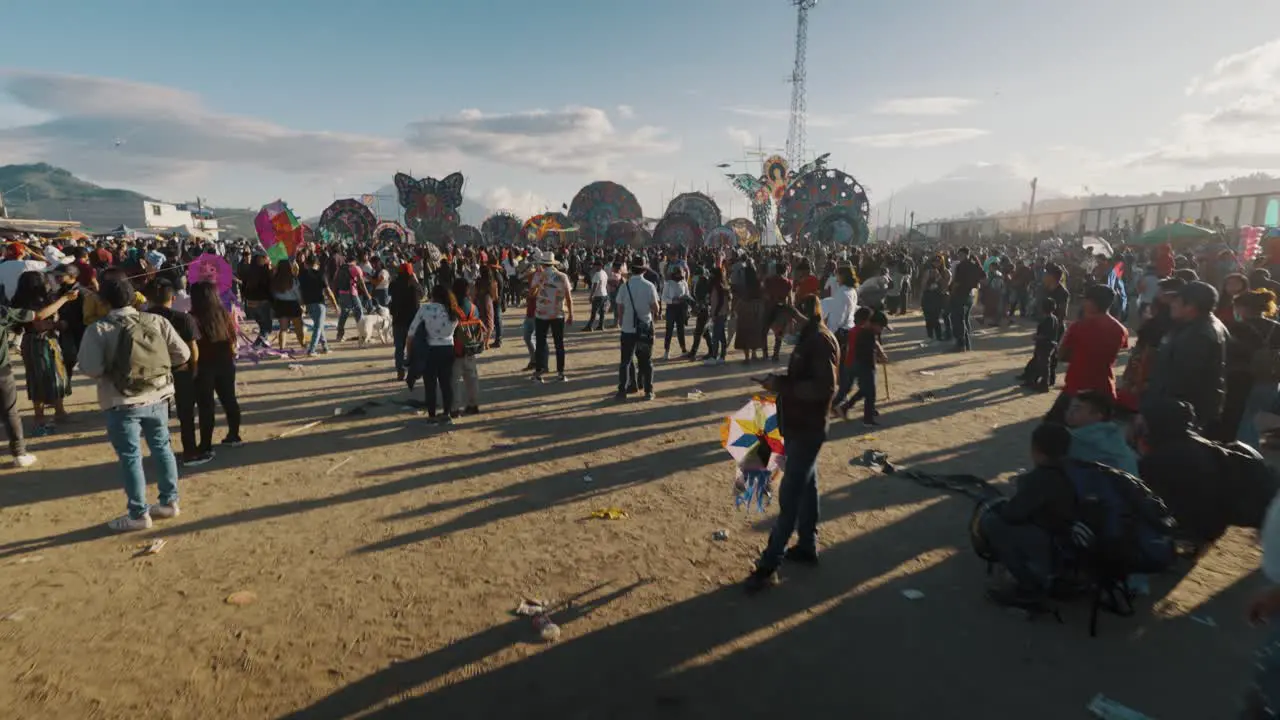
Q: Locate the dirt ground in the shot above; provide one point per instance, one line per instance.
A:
(386, 557)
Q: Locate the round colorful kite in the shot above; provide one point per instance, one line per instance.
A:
(748, 232)
(721, 236)
(624, 233)
(812, 196)
(537, 227)
(599, 205)
(501, 228)
(391, 232)
(468, 235)
(698, 206)
(213, 268)
(677, 229)
(347, 220)
(278, 230)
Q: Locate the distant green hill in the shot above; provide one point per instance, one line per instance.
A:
(41, 181)
(44, 192)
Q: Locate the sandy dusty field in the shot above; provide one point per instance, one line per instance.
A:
(386, 557)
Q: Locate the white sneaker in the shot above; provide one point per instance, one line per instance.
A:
(124, 523)
(25, 460)
(666, 355)
(164, 512)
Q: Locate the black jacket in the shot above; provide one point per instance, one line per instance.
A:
(1191, 366)
(1044, 497)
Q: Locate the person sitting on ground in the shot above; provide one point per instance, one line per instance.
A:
(1038, 374)
(1023, 531)
(1094, 437)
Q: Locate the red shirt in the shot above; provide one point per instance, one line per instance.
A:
(1093, 343)
(806, 287)
(776, 289)
(849, 345)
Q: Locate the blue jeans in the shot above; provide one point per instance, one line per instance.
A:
(797, 500)
(1262, 397)
(382, 297)
(527, 330)
(348, 305)
(719, 345)
(126, 428)
(317, 312)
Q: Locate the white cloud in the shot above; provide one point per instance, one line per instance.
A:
(814, 120)
(918, 138)
(923, 106)
(1243, 135)
(1240, 135)
(740, 136)
(626, 112)
(1254, 69)
(572, 140)
(124, 130)
(523, 204)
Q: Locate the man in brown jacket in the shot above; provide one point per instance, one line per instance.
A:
(804, 398)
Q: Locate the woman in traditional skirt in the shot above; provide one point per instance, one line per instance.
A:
(751, 336)
(47, 380)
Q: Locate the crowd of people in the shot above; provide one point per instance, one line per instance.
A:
(1204, 365)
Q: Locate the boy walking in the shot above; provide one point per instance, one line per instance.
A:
(866, 353)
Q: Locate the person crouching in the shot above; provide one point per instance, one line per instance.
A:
(1021, 532)
(1039, 373)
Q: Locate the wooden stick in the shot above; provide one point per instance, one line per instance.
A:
(339, 464)
(299, 429)
(886, 382)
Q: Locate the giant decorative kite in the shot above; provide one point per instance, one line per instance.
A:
(678, 229)
(347, 219)
(430, 206)
(501, 228)
(599, 205)
(817, 200)
(698, 206)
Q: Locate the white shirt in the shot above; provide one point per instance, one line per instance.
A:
(645, 295)
(844, 303)
(832, 286)
(599, 284)
(674, 290)
(439, 324)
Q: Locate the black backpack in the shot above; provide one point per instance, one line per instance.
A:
(1247, 484)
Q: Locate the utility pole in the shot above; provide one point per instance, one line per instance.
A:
(1031, 208)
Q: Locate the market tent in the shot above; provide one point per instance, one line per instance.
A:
(1172, 232)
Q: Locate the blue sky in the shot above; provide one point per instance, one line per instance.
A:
(242, 102)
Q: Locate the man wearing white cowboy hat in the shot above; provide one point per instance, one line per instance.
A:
(554, 305)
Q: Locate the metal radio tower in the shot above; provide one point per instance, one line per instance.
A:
(799, 104)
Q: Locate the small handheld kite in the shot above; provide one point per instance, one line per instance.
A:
(278, 230)
(754, 441)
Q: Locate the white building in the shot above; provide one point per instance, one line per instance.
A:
(162, 216)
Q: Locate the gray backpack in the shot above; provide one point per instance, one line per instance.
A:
(140, 363)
